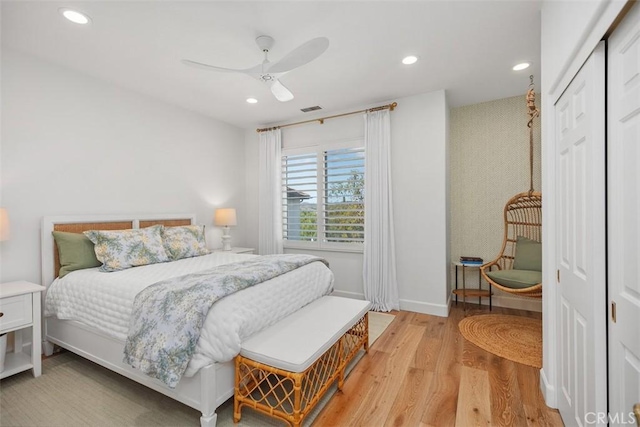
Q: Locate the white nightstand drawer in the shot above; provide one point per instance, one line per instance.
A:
(16, 311)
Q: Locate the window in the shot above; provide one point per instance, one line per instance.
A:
(323, 197)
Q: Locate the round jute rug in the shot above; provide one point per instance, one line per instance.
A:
(513, 337)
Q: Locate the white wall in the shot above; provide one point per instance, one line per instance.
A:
(420, 164)
(72, 144)
(419, 173)
(570, 32)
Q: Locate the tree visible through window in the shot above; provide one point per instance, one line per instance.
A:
(323, 195)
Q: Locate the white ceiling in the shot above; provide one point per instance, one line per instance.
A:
(465, 47)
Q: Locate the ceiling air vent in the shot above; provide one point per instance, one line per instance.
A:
(314, 108)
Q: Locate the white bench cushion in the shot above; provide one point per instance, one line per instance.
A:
(298, 340)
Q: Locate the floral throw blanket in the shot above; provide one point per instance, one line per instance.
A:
(167, 316)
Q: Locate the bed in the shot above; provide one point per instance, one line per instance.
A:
(87, 311)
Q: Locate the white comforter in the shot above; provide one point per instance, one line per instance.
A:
(104, 301)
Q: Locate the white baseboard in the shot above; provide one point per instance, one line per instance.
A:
(518, 303)
(441, 310)
(508, 301)
(548, 391)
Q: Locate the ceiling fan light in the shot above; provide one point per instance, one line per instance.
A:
(252, 100)
(411, 59)
(521, 66)
(75, 16)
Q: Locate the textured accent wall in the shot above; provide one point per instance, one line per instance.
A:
(489, 164)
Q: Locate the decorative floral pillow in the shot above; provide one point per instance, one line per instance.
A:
(121, 249)
(185, 241)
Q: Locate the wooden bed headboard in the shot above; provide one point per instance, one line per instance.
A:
(78, 224)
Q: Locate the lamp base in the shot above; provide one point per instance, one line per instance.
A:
(226, 239)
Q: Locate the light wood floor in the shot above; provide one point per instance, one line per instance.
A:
(422, 372)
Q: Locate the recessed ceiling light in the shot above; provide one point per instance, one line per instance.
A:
(252, 100)
(411, 59)
(75, 16)
(521, 66)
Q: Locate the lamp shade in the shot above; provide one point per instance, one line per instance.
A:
(4, 224)
(225, 217)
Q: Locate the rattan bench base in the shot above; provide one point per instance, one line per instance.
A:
(291, 396)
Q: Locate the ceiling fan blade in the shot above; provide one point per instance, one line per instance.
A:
(281, 93)
(195, 64)
(301, 55)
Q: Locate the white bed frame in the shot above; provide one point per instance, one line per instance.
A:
(205, 391)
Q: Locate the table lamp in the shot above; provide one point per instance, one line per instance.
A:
(225, 218)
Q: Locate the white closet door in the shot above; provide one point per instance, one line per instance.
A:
(624, 217)
(580, 195)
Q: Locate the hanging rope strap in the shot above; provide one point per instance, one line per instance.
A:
(533, 113)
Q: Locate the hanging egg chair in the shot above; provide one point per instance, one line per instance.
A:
(518, 267)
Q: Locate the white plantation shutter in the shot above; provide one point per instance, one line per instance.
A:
(343, 198)
(323, 198)
(299, 197)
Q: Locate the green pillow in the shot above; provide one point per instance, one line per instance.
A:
(528, 255)
(75, 252)
(517, 279)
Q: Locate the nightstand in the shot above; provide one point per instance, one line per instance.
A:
(237, 250)
(20, 313)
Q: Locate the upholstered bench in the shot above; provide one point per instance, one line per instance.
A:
(285, 369)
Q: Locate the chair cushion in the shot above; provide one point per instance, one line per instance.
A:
(517, 279)
(528, 255)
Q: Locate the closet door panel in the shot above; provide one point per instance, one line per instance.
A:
(580, 189)
(624, 217)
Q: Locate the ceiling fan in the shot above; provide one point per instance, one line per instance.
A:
(270, 73)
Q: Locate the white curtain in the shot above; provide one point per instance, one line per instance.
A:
(270, 197)
(379, 272)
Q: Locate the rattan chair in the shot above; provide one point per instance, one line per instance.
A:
(522, 217)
